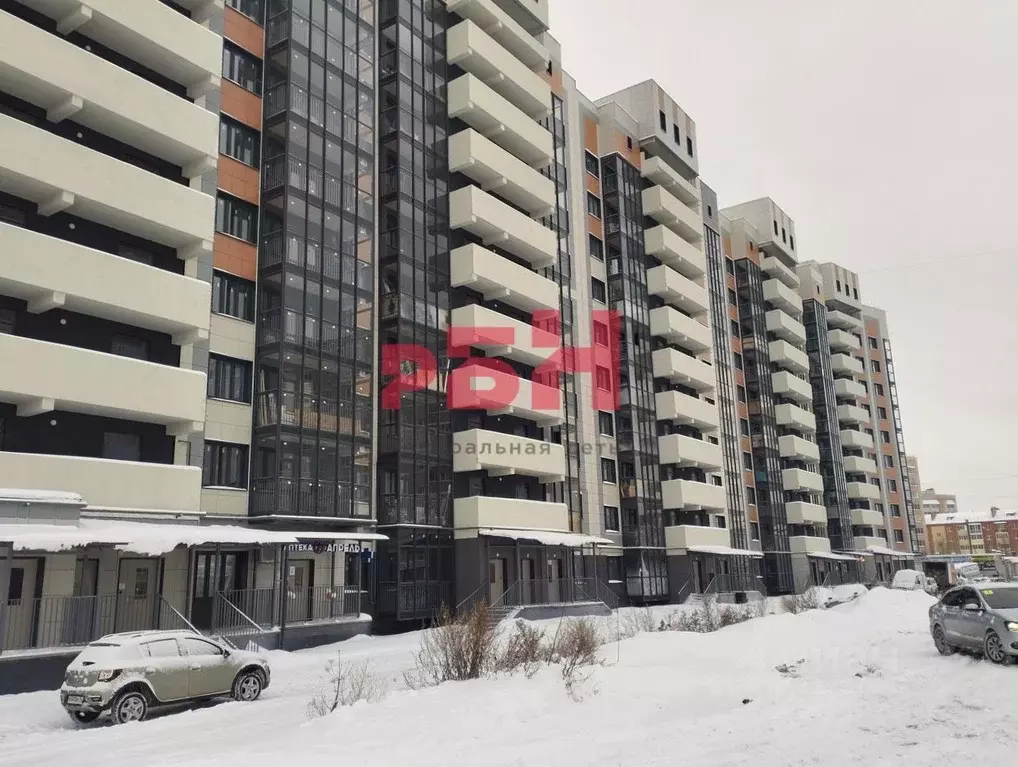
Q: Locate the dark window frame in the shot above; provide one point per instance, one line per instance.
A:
(232, 295)
(236, 218)
(225, 464)
(233, 133)
(235, 61)
(229, 379)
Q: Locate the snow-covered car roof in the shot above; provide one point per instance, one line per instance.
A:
(131, 637)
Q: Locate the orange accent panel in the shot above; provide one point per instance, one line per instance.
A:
(235, 256)
(733, 312)
(752, 512)
(622, 147)
(593, 184)
(737, 345)
(726, 245)
(240, 104)
(590, 134)
(730, 280)
(595, 227)
(555, 80)
(238, 179)
(244, 32)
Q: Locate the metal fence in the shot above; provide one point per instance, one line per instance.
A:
(555, 591)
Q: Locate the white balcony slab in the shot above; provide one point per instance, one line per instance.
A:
(774, 267)
(846, 388)
(791, 446)
(491, 115)
(683, 537)
(852, 414)
(481, 511)
(851, 438)
(843, 341)
(688, 494)
(689, 451)
(844, 364)
(783, 297)
(475, 51)
(499, 224)
(507, 454)
(58, 174)
(867, 518)
(500, 279)
(51, 376)
(800, 480)
(864, 542)
(682, 408)
(681, 368)
(842, 320)
(795, 417)
(473, 387)
(677, 290)
(662, 174)
(786, 356)
(499, 335)
(503, 28)
(785, 327)
(681, 329)
(803, 513)
(809, 544)
(672, 250)
(856, 464)
(665, 208)
(64, 78)
(792, 387)
(863, 491)
(497, 170)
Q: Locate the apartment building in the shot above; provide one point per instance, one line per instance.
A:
(915, 483)
(976, 532)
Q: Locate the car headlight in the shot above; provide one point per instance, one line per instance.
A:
(108, 675)
(1012, 626)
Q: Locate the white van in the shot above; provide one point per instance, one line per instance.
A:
(913, 580)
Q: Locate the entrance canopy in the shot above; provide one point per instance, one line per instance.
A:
(329, 536)
(725, 551)
(831, 555)
(547, 537)
(885, 552)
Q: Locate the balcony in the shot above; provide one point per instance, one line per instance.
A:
(504, 29)
(803, 513)
(148, 32)
(846, 388)
(681, 408)
(863, 491)
(472, 387)
(794, 417)
(680, 329)
(500, 279)
(682, 537)
(850, 438)
(774, 267)
(492, 116)
(842, 321)
(104, 483)
(782, 297)
(662, 206)
(503, 455)
(662, 174)
(843, 341)
(792, 387)
(50, 273)
(681, 368)
(802, 481)
(478, 512)
(474, 51)
(867, 518)
(856, 464)
(499, 224)
(677, 290)
(689, 451)
(863, 542)
(499, 335)
(852, 414)
(670, 249)
(51, 376)
(688, 494)
(843, 364)
(495, 169)
(61, 175)
(785, 327)
(784, 355)
(64, 78)
(791, 446)
(809, 544)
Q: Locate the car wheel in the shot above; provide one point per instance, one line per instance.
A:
(83, 717)
(993, 649)
(130, 706)
(941, 642)
(247, 686)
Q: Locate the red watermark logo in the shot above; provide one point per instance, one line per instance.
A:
(490, 383)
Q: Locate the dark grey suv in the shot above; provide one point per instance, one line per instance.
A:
(981, 617)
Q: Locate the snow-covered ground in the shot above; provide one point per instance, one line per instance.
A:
(861, 684)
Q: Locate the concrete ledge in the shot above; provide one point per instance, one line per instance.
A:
(21, 672)
(564, 610)
(318, 634)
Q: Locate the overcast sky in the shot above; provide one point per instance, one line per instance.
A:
(888, 130)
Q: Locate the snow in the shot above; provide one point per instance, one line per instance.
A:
(830, 555)
(726, 551)
(548, 537)
(860, 683)
(40, 496)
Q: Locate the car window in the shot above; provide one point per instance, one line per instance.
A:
(200, 647)
(1001, 598)
(162, 648)
(100, 652)
(952, 599)
(968, 596)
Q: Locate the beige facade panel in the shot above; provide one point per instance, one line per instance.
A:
(684, 409)
(795, 417)
(500, 279)
(497, 170)
(689, 451)
(803, 513)
(681, 368)
(662, 174)
(224, 501)
(842, 320)
(514, 513)
(788, 357)
(497, 223)
(40, 377)
(802, 481)
(846, 388)
(681, 537)
(863, 491)
(681, 329)
(843, 341)
(502, 336)
(677, 290)
(103, 483)
(505, 454)
(782, 297)
(504, 29)
(791, 446)
(61, 175)
(666, 209)
(853, 439)
(791, 386)
(863, 542)
(844, 364)
(227, 421)
(232, 337)
(852, 414)
(856, 464)
(808, 544)
(785, 327)
(777, 269)
(688, 494)
(867, 518)
(488, 389)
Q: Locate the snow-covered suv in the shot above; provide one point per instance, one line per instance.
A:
(126, 674)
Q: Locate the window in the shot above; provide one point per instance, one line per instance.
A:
(242, 68)
(732, 298)
(238, 141)
(600, 333)
(598, 293)
(593, 205)
(899, 536)
(129, 346)
(741, 391)
(224, 465)
(747, 460)
(888, 461)
(754, 530)
(895, 510)
(878, 507)
(784, 237)
(882, 412)
(596, 247)
(611, 519)
(163, 648)
(776, 234)
(791, 242)
(710, 212)
(875, 366)
(729, 265)
(892, 485)
(233, 296)
(878, 389)
(138, 255)
(662, 121)
(885, 437)
(7, 321)
(689, 145)
(251, 8)
(744, 426)
(592, 165)
(608, 471)
(855, 293)
(236, 218)
(873, 342)
(836, 282)
(13, 216)
(200, 647)
(735, 329)
(121, 447)
(606, 423)
(629, 142)
(603, 378)
(677, 135)
(738, 360)
(875, 481)
(229, 378)
(16, 586)
(751, 496)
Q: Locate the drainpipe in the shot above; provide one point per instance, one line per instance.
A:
(5, 584)
(283, 599)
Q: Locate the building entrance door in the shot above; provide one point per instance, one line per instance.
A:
(225, 572)
(527, 581)
(496, 579)
(81, 622)
(299, 587)
(136, 601)
(554, 581)
(20, 605)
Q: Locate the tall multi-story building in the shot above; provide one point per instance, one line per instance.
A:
(951, 532)
(912, 468)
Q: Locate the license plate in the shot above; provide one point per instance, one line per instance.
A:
(75, 698)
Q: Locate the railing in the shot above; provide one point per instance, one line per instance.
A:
(243, 611)
(418, 599)
(683, 593)
(544, 591)
(727, 583)
(331, 499)
(320, 603)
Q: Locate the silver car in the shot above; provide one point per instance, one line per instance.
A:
(124, 675)
(981, 617)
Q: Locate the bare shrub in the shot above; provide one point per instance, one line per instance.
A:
(344, 686)
(456, 648)
(524, 651)
(636, 621)
(576, 647)
(760, 608)
(730, 615)
(800, 603)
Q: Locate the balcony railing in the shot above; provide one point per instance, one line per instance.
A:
(552, 591)
(728, 583)
(416, 509)
(321, 603)
(417, 599)
(325, 498)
